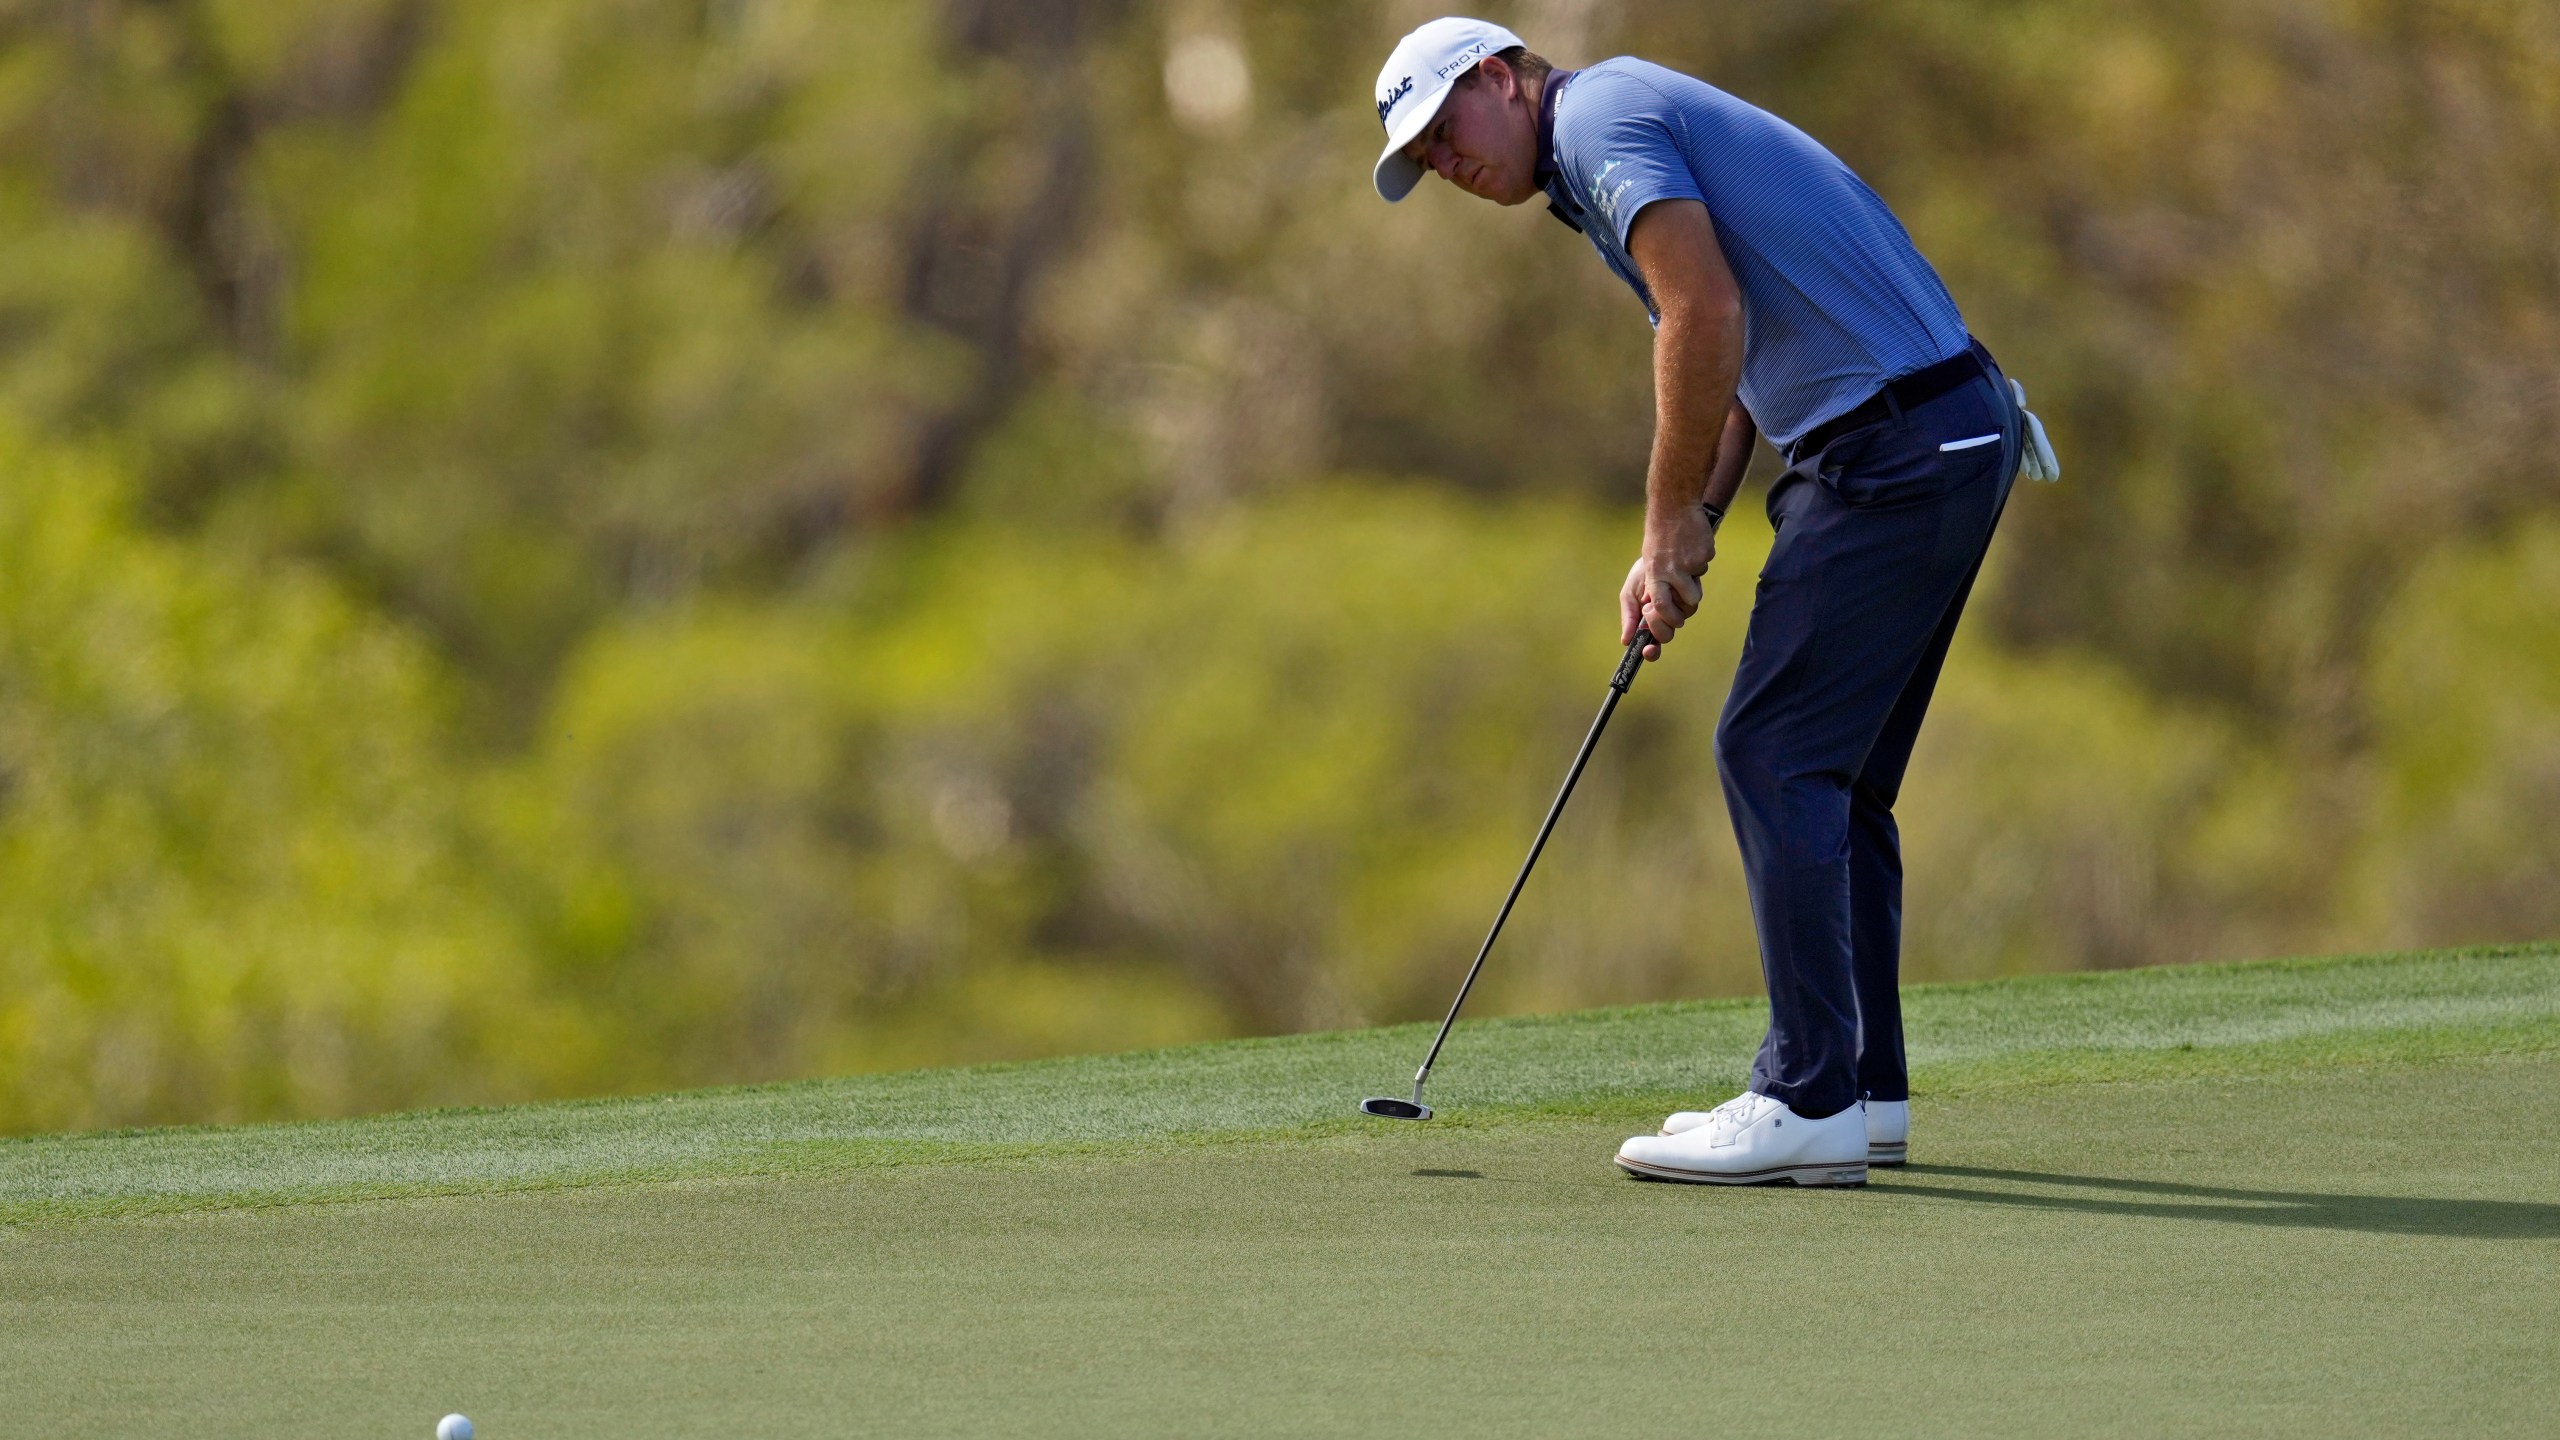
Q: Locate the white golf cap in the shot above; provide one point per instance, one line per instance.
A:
(1419, 72)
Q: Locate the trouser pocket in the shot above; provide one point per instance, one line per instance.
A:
(1926, 452)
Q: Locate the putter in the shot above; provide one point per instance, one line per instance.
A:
(1387, 1107)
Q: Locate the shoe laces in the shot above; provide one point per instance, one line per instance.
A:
(1737, 1113)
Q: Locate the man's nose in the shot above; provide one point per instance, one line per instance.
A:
(1443, 160)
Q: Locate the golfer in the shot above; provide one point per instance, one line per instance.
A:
(1787, 302)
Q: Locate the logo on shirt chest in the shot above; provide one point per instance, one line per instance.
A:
(1388, 101)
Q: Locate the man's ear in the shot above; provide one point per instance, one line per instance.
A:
(1498, 73)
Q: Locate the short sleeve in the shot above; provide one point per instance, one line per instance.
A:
(1615, 144)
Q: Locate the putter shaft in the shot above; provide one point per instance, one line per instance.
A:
(1618, 685)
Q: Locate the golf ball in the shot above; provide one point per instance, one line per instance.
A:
(454, 1427)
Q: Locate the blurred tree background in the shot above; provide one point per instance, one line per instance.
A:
(562, 546)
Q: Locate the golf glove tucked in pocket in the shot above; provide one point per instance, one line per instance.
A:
(2036, 459)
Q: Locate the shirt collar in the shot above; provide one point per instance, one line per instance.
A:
(1549, 174)
(1547, 122)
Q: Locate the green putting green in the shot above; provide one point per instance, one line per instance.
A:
(2300, 1197)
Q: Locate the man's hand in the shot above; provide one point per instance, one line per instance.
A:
(1662, 589)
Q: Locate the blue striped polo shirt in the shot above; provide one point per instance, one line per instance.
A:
(1836, 300)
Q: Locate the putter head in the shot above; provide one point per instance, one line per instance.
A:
(1389, 1108)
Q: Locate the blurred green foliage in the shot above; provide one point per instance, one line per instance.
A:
(598, 544)
(235, 869)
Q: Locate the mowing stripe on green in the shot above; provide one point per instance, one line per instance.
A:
(2200, 1020)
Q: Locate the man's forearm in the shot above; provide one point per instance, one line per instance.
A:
(1697, 360)
(1693, 383)
(1733, 457)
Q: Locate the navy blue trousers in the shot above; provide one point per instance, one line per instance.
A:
(1879, 537)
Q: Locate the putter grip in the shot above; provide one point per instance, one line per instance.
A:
(1626, 675)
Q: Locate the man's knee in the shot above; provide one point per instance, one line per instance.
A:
(1802, 813)
(1872, 796)
(1746, 753)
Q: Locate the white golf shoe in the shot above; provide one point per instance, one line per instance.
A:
(1888, 1132)
(1754, 1140)
(1888, 1129)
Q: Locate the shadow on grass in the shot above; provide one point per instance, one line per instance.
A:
(2293, 1209)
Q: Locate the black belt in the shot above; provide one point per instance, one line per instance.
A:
(1917, 388)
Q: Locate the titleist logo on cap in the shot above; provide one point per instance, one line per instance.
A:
(1388, 101)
